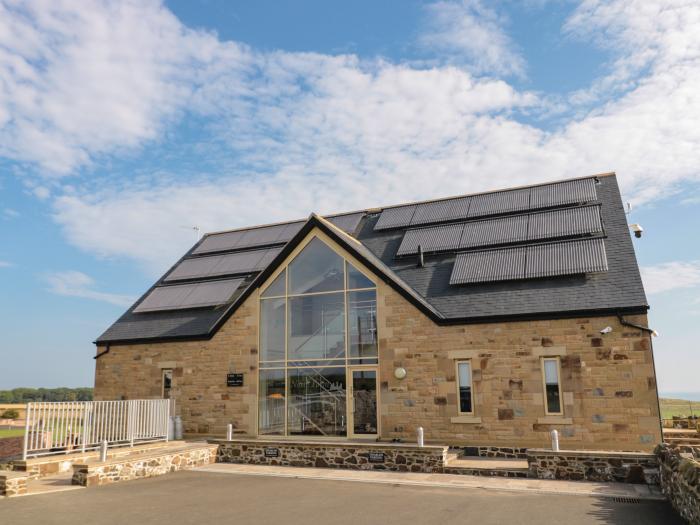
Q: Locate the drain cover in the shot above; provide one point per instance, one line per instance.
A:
(621, 499)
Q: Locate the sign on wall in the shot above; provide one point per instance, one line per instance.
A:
(234, 379)
(376, 457)
(272, 452)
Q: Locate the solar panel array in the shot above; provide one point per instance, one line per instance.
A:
(191, 295)
(529, 262)
(226, 264)
(347, 223)
(568, 222)
(496, 203)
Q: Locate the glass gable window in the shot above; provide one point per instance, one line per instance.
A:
(317, 318)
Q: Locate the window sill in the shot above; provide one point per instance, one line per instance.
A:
(555, 420)
(465, 419)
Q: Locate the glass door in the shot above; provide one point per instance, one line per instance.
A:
(362, 403)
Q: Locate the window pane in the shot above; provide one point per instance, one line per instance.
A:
(551, 372)
(316, 327)
(271, 402)
(362, 323)
(277, 287)
(357, 279)
(272, 329)
(316, 269)
(553, 402)
(465, 386)
(316, 402)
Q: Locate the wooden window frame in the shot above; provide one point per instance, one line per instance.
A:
(471, 387)
(556, 358)
(163, 371)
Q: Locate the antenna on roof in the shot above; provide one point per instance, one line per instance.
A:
(197, 232)
(421, 261)
(629, 209)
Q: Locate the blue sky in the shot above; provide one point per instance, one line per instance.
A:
(125, 124)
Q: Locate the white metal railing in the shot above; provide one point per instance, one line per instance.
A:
(79, 426)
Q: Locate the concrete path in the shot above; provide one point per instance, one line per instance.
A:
(56, 483)
(540, 486)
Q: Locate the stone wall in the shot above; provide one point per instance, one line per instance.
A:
(352, 456)
(608, 383)
(128, 468)
(625, 467)
(11, 447)
(680, 479)
(13, 483)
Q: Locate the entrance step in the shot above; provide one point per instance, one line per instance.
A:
(479, 466)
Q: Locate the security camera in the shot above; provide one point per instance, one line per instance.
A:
(606, 330)
(637, 230)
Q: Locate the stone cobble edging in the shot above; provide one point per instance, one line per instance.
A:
(626, 467)
(145, 466)
(355, 456)
(680, 479)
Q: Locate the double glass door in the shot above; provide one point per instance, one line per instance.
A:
(362, 402)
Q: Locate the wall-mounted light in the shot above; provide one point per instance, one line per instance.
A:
(400, 373)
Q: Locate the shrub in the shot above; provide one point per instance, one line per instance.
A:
(9, 414)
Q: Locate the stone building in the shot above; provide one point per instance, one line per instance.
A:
(487, 319)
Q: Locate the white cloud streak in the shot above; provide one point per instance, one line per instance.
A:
(289, 133)
(675, 275)
(472, 34)
(77, 284)
(5, 264)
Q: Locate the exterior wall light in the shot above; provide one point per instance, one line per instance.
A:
(400, 373)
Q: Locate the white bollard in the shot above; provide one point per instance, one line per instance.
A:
(555, 440)
(421, 442)
(103, 451)
(229, 432)
(178, 427)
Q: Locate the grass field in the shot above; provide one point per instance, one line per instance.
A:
(678, 407)
(11, 432)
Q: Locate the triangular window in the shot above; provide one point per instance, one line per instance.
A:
(278, 287)
(317, 268)
(357, 279)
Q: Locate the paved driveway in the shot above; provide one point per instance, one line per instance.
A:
(212, 498)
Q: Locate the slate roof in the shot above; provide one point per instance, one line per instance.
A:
(615, 291)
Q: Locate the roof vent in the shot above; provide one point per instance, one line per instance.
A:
(421, 260)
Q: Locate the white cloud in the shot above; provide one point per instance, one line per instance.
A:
(673, 275)
(282, 134)
(77, 284)
(472, 34)
(5, 264)
(10, 213)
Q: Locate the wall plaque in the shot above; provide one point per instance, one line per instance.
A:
(272, 452)
(376, 457)
(234, 379)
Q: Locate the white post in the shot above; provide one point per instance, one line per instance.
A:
(26, 432)
(229, 432)
(103, 451)
(555, 440)
(421, 442)
(167, 409)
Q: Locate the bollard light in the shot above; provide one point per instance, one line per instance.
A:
(421, 441)
(555, 440)
(229, 432)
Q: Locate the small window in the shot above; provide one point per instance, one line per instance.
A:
(464, 387)
(167, 382)
(552, 385)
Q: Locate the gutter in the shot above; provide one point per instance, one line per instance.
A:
(625, 322)
(107, 349)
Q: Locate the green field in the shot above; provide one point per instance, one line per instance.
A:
(11, 432)
(678, 407)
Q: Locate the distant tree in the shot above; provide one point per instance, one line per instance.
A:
(25, 395)
(10, 414)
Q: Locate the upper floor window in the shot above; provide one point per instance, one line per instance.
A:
(464, 387)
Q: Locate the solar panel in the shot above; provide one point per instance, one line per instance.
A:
(250, 238)
(566, 258)
(347, 223)
(395, 217)
(433, 239)
(220, 241)
(564, 223)
(487, 266)
(290, 231)
(499, 202)
(560, 193)
(227, 264)
(191, 295)
(495, 231)
(262, 236)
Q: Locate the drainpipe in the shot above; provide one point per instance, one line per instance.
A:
(650, 332)
(107, 348)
